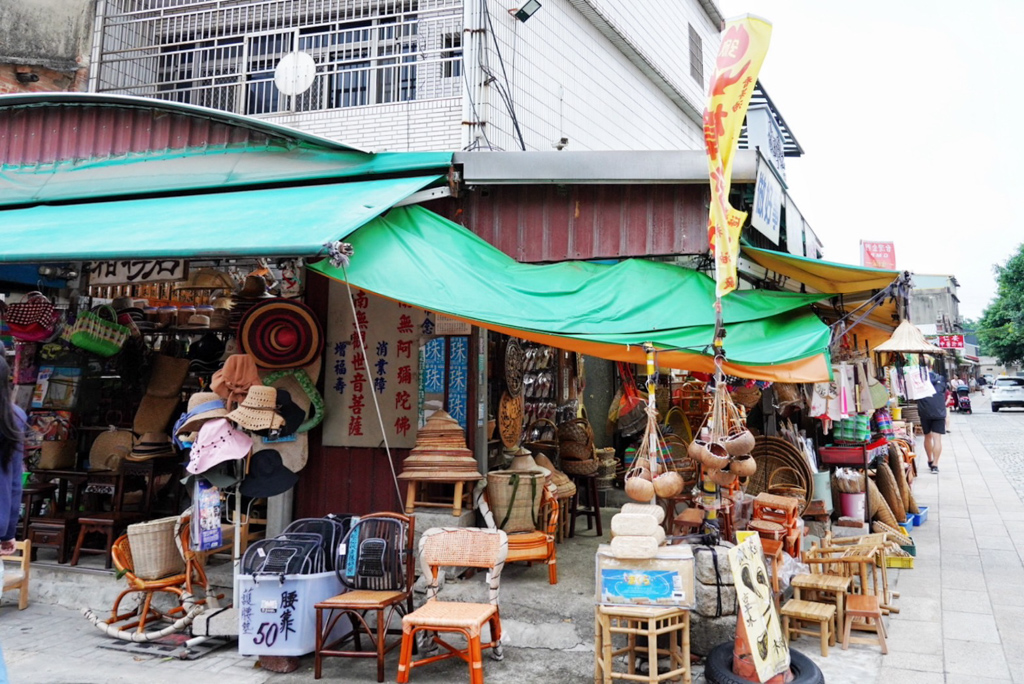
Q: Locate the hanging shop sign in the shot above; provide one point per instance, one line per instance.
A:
(951, 341)
(877, 255)
(812, 245)
(451, 326)
(768, 197)
(389, 370)
(763, 132)
(136, 271)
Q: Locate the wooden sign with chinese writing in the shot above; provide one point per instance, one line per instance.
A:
(137, 271)
(389, 370)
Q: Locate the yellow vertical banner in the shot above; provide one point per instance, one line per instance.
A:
(744, 46)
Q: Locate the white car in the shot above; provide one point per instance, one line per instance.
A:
(1008, 392)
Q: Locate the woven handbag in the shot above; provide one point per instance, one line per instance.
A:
(98, 331)
(514, 497)
(154, 550)
(33, 319)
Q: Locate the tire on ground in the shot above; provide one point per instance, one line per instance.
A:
(718, 667)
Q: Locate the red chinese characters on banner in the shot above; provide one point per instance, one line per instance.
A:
(878, 255)
(951, 341)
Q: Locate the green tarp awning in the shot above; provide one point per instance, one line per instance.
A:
(415, 256)
(292, 221)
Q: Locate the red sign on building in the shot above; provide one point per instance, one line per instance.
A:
(951, 341)
(878, 255)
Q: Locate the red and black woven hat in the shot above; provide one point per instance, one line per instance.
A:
(281, 333)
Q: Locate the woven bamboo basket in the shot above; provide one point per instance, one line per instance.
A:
(575, 451)
(564, 486)
(886, 482)
(605, 482)
(587, 467)
(514, 498)
(575, 430)
(773, 453)
(767, 529)
(896, 466)
(879, 508)
(154, 551)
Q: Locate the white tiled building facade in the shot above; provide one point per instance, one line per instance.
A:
(428, 74)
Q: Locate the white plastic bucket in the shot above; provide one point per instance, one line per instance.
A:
(852, 505)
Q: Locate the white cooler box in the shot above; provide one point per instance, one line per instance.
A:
(278, 618)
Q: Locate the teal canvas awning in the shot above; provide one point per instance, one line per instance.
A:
(289, 221)
(415, 256)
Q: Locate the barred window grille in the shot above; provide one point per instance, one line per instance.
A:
(696, 57)
(222, 53)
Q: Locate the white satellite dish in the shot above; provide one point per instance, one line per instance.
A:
(295, 73)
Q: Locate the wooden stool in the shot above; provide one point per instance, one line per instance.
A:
(414, 496)
(687, 522)
(564, 510)
(779, 509)
(649, 622)
(53, 532)
(586, 485)
(31, 494)
(826, 584)
(773, 561)
(864, 606)
(809, 611)
(111, 525)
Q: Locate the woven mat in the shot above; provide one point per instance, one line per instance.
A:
(171, 646)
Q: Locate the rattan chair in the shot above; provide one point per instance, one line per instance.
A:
(18, 579)
(457, 547)
(181, 585)
(538, 545)
(379, 578)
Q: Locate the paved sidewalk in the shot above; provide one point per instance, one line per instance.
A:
(961, 608)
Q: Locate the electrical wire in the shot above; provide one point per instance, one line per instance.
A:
(476, 115)
(376, 402)
(507, 97)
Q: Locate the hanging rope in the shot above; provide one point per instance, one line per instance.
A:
(343, 262)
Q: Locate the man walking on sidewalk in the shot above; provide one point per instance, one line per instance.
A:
(932, 411)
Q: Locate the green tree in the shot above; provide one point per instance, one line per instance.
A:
(1001, 328)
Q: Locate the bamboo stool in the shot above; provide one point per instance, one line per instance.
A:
(809, 611)
(773, 559)
(824, 584)
(650, 622)
(415, 496)
(867, 607)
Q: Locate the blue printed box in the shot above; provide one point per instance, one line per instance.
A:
(665, 580)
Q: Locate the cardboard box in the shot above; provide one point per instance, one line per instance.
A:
(665, 580)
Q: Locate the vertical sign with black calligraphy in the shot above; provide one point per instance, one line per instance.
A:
(389, 370)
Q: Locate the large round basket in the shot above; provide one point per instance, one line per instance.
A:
(776, 454)
(514, 498)
(588, 467)
(515, 363)
(510, 419)
(575, 430)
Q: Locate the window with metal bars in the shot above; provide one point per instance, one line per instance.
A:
(696, 57)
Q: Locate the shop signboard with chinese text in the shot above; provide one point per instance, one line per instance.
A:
(951, 341)
(877, 255)
(389, 370)
(794, 229)
(768, 197)
(763, 133)
(137, 271)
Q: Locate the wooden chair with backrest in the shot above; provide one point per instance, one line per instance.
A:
(178, 584)
(377, 568)
(538, 545)
(18, 578)
(457, 547)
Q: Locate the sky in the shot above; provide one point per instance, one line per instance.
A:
(908, 114)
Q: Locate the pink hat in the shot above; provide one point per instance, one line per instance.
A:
(217, 442)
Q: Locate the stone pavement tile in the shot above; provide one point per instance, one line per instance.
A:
(921, 608)
(974, 579)
(918, 662)
(1017, 670)
(960, 563)
(993, 541)
(955, 523)
(975, 658)
(913, 636)
(910, 590)
(972, 679)
(902, 676)
(969, 627)
(966, 601)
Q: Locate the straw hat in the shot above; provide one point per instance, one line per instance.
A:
(196, 322)
(151, 445)
(110, 448)
(217, 442)
(281, 333)
(258, 411)
(220, 319)
(202, 406)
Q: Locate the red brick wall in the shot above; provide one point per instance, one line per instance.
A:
(49, 80)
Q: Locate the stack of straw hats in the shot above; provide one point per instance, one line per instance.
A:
(440, 453)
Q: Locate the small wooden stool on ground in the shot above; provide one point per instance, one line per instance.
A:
(864, 606)
(825, 584)
(586, 490)
(642, 621)
(53, 532)
(111, 525)
(688, 521)
(797, 611)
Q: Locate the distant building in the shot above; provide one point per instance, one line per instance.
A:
(934, 304)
